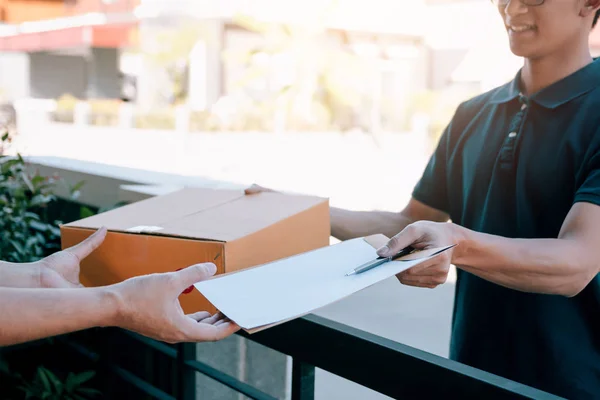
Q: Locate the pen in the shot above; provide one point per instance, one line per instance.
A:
(380, 260)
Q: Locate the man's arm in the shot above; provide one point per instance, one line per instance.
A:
(346, 224)
(562, 266)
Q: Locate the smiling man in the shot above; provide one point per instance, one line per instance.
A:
(517, 171)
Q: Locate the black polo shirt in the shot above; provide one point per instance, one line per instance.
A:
(513, 166)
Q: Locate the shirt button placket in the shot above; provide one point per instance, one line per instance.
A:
(507, 153)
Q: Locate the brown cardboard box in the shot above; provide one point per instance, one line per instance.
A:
(191, 226)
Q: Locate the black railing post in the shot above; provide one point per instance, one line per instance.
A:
(186, 389)
(303, 381)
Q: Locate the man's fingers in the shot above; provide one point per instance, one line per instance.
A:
(85, 248)
(417, 283)
(405, 238)
(434, 266)
(194, 274)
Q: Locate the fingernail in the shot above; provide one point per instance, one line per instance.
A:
(210, 268)
(383, 251)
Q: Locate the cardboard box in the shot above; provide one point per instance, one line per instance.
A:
(191, 226)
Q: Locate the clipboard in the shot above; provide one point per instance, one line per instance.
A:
(267, 295)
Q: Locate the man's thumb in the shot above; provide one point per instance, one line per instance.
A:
(194, 274)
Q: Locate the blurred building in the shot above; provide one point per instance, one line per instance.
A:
(52, 47)
(100, 48)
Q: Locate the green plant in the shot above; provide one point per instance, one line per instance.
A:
(46, 385)
(26, 234)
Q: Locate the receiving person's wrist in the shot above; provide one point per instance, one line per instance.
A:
(112, 304)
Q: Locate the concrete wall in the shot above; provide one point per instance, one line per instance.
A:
(442, 63)
(104, 80)
(92, 75)
(52, 75)
(14, 76)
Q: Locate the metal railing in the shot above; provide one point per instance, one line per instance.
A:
(385, 366)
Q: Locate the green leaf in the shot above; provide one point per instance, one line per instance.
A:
(27, 182)
(37, 180)
(54, 230)
(32, 215)
(41, 373)
(85, 212)
(77, 186)
(39, 226)
(5, 137)
(17, 246)
(83, 377)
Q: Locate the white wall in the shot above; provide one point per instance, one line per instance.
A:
(14, 76)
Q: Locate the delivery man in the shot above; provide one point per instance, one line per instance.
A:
(45, 298)
(517, 171)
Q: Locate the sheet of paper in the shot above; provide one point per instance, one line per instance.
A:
(298, 285)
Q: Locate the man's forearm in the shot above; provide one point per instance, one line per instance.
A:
(26, 275)
(551, 266)
(29, 314)
(346, 224)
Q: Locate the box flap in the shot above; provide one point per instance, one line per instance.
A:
(243, 216)
(222, 215)
(151, 215)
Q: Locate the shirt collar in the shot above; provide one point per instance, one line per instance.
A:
(561, 92)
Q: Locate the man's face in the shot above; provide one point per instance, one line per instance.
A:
(538, 31)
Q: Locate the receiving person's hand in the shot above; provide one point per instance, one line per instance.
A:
(424, 235)
(149, 305)
(61, 269)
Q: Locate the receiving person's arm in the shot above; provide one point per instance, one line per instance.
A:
(26, 275)
(148, 305)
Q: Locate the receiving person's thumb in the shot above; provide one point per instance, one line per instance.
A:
(194, 274)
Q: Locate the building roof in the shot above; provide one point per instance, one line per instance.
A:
(88, 30)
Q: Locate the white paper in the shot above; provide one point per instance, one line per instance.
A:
(298, 285)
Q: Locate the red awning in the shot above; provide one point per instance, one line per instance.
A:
(107, 36)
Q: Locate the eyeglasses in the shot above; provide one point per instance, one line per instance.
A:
(529, 3)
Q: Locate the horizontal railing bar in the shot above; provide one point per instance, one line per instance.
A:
(141, 384)
(388, 367)
(156, 345)
(205, 369)
(229, 381)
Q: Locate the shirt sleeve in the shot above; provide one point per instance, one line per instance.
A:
(588, 181)
(432, 187)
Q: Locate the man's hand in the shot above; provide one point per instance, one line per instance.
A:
(424, 235)
(149, 305)
(61, 269)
